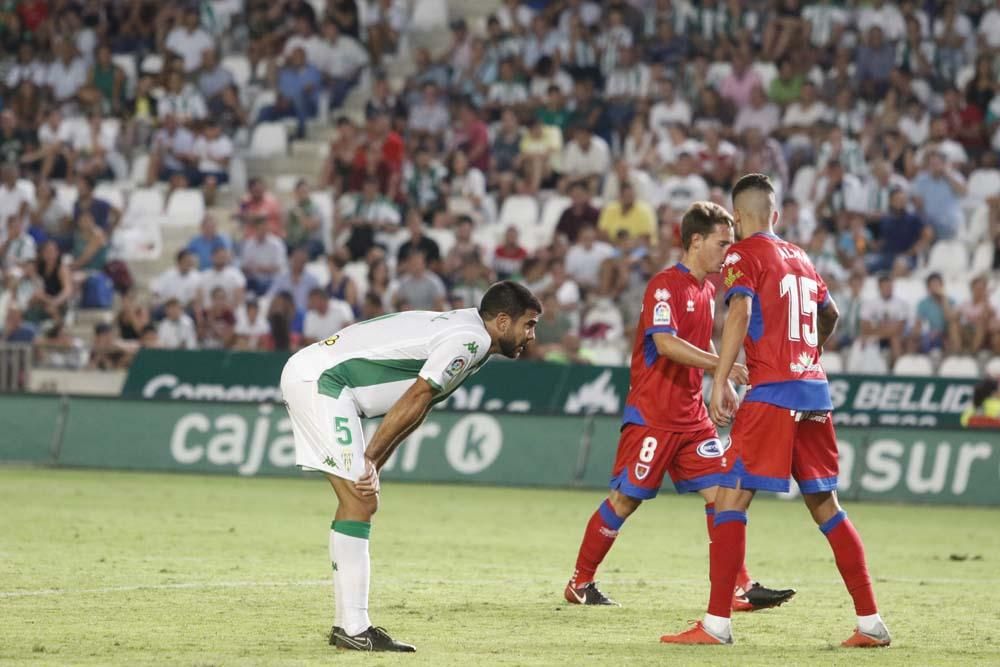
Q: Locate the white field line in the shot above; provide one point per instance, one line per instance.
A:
(204, 585)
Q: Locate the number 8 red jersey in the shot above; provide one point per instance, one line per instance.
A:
(782, 340)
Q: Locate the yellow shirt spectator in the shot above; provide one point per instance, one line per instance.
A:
(636, 218)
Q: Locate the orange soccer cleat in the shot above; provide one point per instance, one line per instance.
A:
(696, 634)
(862, 640)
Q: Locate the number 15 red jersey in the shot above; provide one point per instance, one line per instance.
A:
(781, 345)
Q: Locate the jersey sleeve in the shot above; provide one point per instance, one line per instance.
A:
(822, 293)
(452, 359)
(739, 274)
(658, 313)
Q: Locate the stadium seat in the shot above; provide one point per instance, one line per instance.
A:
(551, 212)
(992, 367)
(913, 364)
(27, 187)
(949, 258)
(186, 207)
(358, 272)
(983, 184)
(138, 243)
(285, 183)
(111, 194)
(445, 238)
(152, 64)
(143, 202)
(767, 72)
(261, 99)
(428, 15)
(140, 167)
(976, 226)
(959, 366)
(958, 289)
(982, 258)
(520, 211)
(269, 140)
(832, 362)
(323, 200)
(910, 291)
(239, 66)
(127, 62)
(866, 358)
(66, 195)
(319, 270)
(964, 76)
(802, 184)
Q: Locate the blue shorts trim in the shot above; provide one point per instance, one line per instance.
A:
(699, 483)
(730, 516)
(739, 477)
(622, 485)
(611, 520)
(833, 522)
(818, 485)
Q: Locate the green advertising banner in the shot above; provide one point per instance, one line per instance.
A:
(897, 464)
(536, 388)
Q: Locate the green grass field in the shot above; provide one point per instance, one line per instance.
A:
(121, 568)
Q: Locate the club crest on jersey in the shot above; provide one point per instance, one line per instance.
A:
(732, 258)
(805, 364)
(661, 313)
(641, 470)
(732, 276)
(713, 449)
(661, 295)
(456, 366)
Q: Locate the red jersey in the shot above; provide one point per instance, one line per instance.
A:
(664, 394)
(781, 345)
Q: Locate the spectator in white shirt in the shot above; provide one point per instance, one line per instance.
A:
(670, 109)
(189, 41)
(14, 203)
(989, 28)
(627, 84)
(213, 150)
(885, 319)
(507, 91)
(251, 325)
(172, 157)
(181, 100)
(179, 283)
(93, 150)
(176, 330)
(585, 257)
(325, 316)
(344, 59)
(587, 157)
(760, 113)
(882, 15)
(429, 117)
(685, 186)
(222, 274)
(67, 74)
(262, 257)
(803, 115)
(305, 38)
(26, 68)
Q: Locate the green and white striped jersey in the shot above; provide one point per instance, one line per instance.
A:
(378, 360)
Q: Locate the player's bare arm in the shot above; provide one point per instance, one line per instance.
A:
(723, 402)
(826, 321)
(682, 352)
(403, 417)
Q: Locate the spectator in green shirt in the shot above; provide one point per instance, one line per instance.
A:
(554, 111)
(786, 87)
(305, 223)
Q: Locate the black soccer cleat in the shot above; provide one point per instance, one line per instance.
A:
(587, 594)
(760, 597)
(372, 639)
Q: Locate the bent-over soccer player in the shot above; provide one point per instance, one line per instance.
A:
(397, 365)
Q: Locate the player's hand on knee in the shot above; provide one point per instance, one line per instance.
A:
(739, 374)
(368, 484)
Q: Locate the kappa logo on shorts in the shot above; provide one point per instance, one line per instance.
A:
(714, 448)
(641, 470)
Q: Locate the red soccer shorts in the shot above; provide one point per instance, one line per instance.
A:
(768, 444)
(646, 454)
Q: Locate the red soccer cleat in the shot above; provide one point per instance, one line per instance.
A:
(696, 634)
(861, 640)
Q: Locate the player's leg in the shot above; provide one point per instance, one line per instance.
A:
(815, 468)
(640, 464)
(759, 458)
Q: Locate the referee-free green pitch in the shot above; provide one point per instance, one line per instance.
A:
(130, 568)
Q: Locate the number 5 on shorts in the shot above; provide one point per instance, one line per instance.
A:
(648, 450)
(340, 425)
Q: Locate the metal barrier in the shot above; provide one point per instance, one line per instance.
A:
(15, 365)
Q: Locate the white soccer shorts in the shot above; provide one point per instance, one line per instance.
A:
(327, 431)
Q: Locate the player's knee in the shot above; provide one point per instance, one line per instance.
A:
(822, 506)
(623, 505)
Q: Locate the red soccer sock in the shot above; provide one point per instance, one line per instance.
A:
(600, 534)
(725, 555)
(743, 579)
(849, 552)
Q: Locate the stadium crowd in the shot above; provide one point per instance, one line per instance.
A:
(557, 142)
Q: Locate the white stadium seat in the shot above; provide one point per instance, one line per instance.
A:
(959, 367)
(445, 238)
(239, 66)
(111, 194)
(520, 211)
(144, 202)
(285, 182)
(866, 359)
(138, 243)
(358, 272)
(993, 367)
(552, 211)
(802, 184)
(66, 195)
(140, 167)
(949, 258)
(768, 72)
(28, 189)
(913, 364)
(269, 140)
(832, 362)
(319, 270)
(152, 64)
(983, 184)
(429, 15)
(982, 258)
(186, 207)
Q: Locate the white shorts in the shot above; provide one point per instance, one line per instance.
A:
(327, 431)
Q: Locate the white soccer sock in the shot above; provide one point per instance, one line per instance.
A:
(350, 543)
(719, 626)
(871, 625)
(338, 614)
